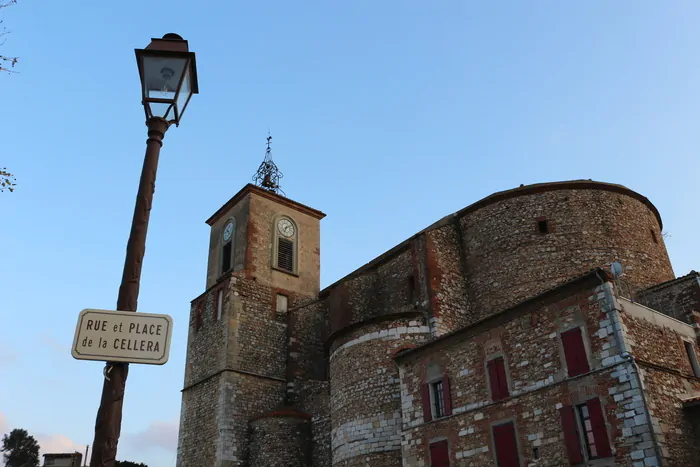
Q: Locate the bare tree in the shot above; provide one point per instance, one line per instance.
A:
(6, 60)
(7, 180)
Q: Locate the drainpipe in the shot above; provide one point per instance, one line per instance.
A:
(613, 312)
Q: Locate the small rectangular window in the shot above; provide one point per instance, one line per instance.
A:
(411, 286)
(497, 378)
(692, 357)
(543, 227)
(575, 352)
(653, 236)
(506, 445)
(439, 454)
(226, 258)
(219, 304)
(285, 254)
(282, 303)
(438, 399)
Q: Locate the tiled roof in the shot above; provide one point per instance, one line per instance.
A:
(690, 401)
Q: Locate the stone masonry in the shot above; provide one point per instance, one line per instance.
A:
(346, 376)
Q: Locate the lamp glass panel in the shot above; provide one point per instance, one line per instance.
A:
(161, 76)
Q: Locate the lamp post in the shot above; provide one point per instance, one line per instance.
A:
(168, 80)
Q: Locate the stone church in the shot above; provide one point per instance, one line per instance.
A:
(541, 325)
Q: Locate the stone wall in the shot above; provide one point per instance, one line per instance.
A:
(281, 438)
(509, 260)
(242, 398)
(365, 395)
(206, 339)
(239, 213)
(528, 337)
(384, 289)
(676, 298)
(308, 387)
(199, 429)
(673, 426)
(448, 292)
(668, 377)
(261, 227)
(257, 336)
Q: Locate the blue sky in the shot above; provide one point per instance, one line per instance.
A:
(385, 115)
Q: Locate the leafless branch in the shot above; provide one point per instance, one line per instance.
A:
(7, 180)
(7, 3)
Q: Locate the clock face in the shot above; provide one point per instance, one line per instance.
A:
(228, 230)
(285, 227)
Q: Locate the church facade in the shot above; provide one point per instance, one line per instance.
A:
(542, 325)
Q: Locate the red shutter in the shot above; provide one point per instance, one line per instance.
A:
(493, 380)
(571, 436)
(447, 395)
(600, 432)
(439, 454)
(502, 380)
(575, 352)
(506, 445)
(497, 378)
(427, 413)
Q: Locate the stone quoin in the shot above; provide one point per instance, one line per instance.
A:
(496, 336)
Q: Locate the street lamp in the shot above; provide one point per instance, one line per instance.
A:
(168, 80)
(168, 77)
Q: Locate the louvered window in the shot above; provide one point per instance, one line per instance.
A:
(285, 254)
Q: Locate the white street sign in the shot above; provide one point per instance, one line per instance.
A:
(122, 336)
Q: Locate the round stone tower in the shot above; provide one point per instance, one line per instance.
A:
(521, 242)
(365, 392)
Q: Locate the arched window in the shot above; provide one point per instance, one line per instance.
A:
(228, 236)
(285, 245)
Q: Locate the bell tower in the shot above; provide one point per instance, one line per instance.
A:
(264, 258)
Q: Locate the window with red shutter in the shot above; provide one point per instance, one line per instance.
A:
(439, 454)
(575, 352)
(425, 395)
(506, 445)
(447, 395)
(571, 435)
(596, 436)
(497, 378)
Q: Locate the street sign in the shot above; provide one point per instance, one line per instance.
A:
(122, 336)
